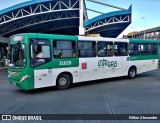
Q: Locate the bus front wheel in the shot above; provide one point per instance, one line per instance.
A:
(132, 73)
(63, 82)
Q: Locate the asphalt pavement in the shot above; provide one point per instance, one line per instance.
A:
(108, 96)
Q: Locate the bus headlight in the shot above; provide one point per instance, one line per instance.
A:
(24, 78)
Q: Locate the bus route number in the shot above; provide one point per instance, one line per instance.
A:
(65, 63)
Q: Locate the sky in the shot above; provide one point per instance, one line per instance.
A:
(145, 13)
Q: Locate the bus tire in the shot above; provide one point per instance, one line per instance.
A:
(132, 73)
(63, 81)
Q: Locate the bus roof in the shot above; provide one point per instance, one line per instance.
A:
(101, 39)
(87, 38)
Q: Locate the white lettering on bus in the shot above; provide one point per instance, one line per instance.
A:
(63, 63)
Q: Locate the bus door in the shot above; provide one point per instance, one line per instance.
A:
(40, 60)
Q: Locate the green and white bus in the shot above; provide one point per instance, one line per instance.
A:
(64, 60)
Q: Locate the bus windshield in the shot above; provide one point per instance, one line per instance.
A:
(16, 55)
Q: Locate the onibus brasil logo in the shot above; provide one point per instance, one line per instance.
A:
(107, 63)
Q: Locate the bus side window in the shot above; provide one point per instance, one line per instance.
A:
(64, 49)
(148, 49)
(105, 49)
(87, 49)
(40, 52)
(121, 49)
(154, 49)
(134, 49)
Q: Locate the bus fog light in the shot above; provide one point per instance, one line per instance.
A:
(24, 78)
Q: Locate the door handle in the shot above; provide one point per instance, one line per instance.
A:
(95, 69)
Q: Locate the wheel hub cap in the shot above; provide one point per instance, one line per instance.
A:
(62, 81)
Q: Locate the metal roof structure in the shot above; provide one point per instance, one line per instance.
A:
(149, 34)
(67, 17)
(4, 40)
(110, 24)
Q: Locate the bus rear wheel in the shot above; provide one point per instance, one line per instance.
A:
(132, 73)
(63, 82)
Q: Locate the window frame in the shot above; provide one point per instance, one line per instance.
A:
(144, 53)
(157, 48)
(25, 54)
(139, 52)
(149, 53)
(49, 59)
(64, 49)
(127, 53)
(87, 49)
(107, 49)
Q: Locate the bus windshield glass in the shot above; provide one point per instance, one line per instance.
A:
(16, 55)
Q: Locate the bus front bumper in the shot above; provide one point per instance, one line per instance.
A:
(23, 85)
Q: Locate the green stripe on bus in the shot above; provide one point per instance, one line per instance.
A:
(142, 41)
(133, 58)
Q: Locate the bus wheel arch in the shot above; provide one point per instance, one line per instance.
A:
(64, 80)
(132, 72)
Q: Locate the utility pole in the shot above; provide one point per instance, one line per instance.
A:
(144, 25)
